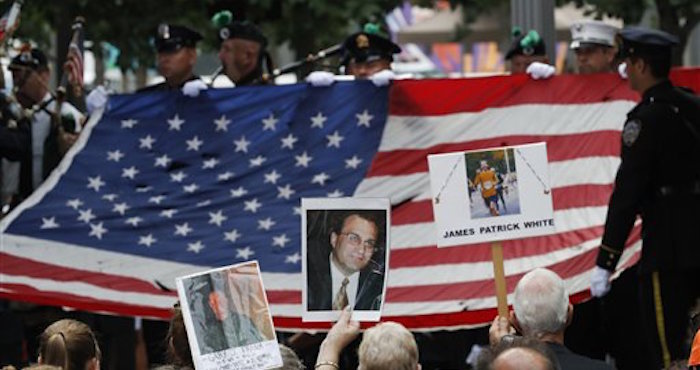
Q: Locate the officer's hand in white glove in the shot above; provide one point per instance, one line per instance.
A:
(538, 70)
(320, 78)
(383, 77)
(622, 70)
(600, 281)
(96, 99)
(192, 88)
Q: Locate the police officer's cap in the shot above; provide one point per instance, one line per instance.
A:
(172, 37)
(527, 44)
(230, 29)
(368, 45)
(30, 58)
(592, 32)
(640, 41)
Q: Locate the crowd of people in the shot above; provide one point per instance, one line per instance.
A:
(655, 317)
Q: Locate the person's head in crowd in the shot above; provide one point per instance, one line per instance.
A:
(519, 354)
(30, 75)
(290, 360)
(388, 345)
(178, 347)
(355, 237)
(69, 344)
(541, 307)
(647, 53)
(525, 49)
(176, 53)
(593, 42)
(242, 49)
(367, 52)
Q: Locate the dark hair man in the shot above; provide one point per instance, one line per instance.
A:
(662, 183)
(176, 55)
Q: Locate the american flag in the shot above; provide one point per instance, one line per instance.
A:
(73, 66)
(162, 185)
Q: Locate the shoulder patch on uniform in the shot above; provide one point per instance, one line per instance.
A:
(631, 131)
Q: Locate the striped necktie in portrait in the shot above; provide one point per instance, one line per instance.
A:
(341, 298)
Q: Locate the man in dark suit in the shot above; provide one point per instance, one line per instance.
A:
(347, 273)
(176, 55)
(541, 310)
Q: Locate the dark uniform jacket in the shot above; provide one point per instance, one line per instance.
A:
(319, 288)
(572, 361)
(163, 86)
(658, 178)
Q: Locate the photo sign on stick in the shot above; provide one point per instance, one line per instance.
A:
(492, 194)
(228, 319)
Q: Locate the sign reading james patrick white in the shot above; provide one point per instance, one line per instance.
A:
(228, 319)
(492, 194)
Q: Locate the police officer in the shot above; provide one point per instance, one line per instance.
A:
(593, 42)
(526, 49)
(242, 52)
(659, 178)
(176, 55)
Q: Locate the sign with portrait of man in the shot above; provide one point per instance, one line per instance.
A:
(345, 243)
(227, 318)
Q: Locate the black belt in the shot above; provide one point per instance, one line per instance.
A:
(692, 188)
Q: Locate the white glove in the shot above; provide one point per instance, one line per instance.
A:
(600, 281)
(538, 70)
(96, 99)
(622, 70)
(320, 78)
(383, 77)
(192, 88)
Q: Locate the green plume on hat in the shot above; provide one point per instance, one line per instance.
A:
(531, 39)
(371, 28)
(516, 32)
(222, 18)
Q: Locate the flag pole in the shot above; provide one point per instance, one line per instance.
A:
(499, 278)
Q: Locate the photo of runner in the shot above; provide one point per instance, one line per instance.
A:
(492, 176)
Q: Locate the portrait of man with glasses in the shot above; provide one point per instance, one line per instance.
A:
(346, 259)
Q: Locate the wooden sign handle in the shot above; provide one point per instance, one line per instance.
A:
(500, 279)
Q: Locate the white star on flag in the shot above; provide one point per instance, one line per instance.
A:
(293, 258)
(130, 172)
(257, 161)
(318, 120)
(156, 199)
(168, 213)
(49, 223)
(183, 229)
(222, 123)
(217, 218)
(163, 161)
(86, 216)
(252, 205)
(266, 224)
(280, 240)
(133, 221)
(129, 123)
(110, 197)
(191, 188)
(285, 192)
(244, 253)
(232, 235)
(178, 176)
(336, 194)
(146, 142)
(175, 123)
(272, 177)
(303, 160)
(364, 118)
(288, 141)
(238, 192)
(241, 145)
(74, 203)
(97, 230)
(147, 240)
(210, 163)
(195, 247)
(194, 144)
(225, 176)
(120, 208)
(115, 155)
(334, 140)
(353, 162)
(95, 183)
(270, 123)
(320, 179)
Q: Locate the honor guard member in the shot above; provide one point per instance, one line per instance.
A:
(658, 178)
(176, 56)
(242, 51)
(593, 42)
(367, 53)
(526, 49)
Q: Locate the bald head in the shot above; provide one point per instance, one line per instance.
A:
(521, 358)
(541, 303)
